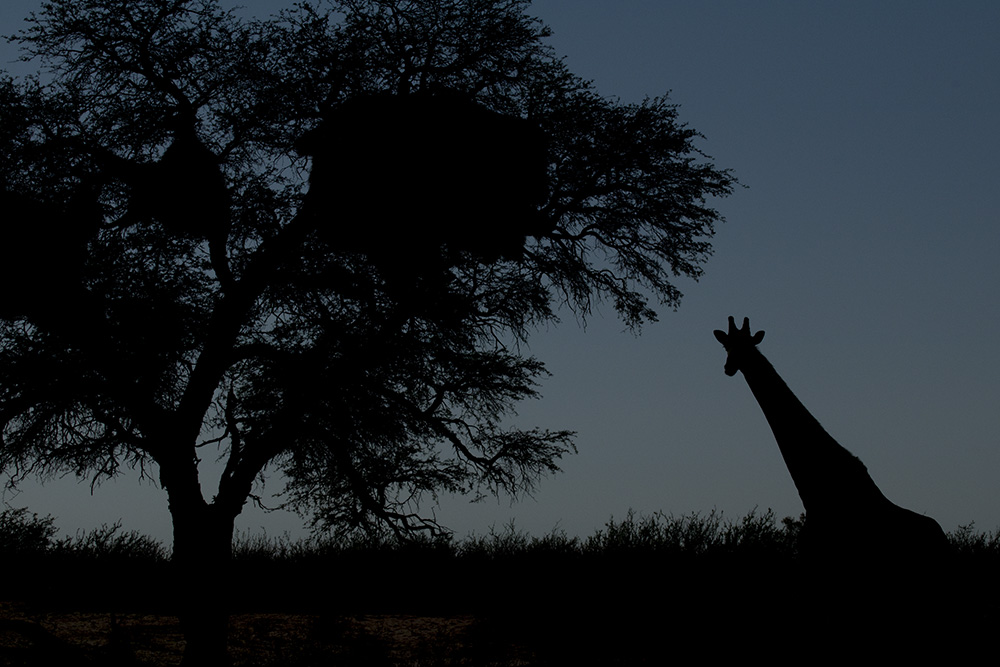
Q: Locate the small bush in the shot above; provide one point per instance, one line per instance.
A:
(967, 542)
(110, 544)
(25, 535)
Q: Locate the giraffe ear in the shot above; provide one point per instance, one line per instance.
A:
(720, 336)
(758, 337)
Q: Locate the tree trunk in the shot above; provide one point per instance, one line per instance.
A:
(203, 536)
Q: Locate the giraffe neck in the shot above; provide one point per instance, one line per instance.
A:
(825, 474)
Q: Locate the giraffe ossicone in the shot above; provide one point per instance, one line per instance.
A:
(735, 339)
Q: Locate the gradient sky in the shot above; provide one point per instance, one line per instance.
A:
(865, 244)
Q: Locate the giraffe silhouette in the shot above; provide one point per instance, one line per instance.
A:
(871, 573)
(849, 520)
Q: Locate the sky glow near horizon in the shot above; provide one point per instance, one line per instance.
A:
(865, 244)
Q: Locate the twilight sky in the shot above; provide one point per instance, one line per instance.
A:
(865, 244)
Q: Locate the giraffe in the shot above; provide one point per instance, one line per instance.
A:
(848, 519)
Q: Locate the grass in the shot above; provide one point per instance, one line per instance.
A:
(640, 586)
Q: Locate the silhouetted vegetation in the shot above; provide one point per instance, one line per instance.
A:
(315, 243)
(307, 567)
(614, 596)
(83, 571)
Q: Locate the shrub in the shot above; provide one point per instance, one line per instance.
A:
(25, 535)
(109, 544)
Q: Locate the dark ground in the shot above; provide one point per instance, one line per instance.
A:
(33, 637)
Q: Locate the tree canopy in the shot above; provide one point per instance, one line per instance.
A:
(313, 244)
(173, 278)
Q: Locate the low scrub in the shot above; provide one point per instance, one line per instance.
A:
(687, 559)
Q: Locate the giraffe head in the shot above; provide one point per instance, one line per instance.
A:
(738, 343)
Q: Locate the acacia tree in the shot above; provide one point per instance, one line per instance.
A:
(211, 246)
